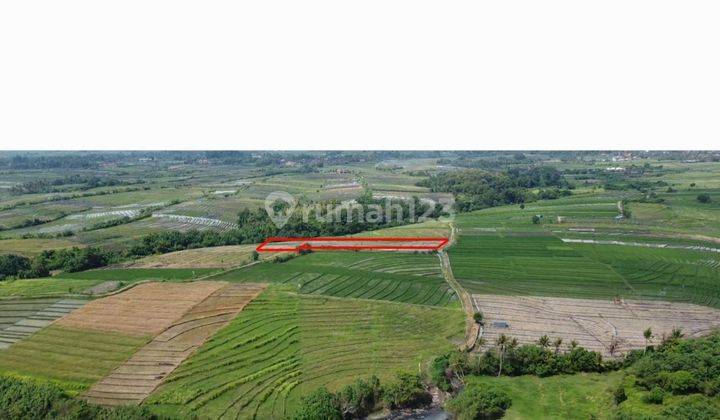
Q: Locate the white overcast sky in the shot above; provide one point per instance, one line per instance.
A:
(362, 75)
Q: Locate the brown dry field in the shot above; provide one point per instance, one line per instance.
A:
(592, 323)
(133, 381)
(145, 309)
(213, 257)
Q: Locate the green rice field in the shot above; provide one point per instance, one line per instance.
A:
(409, 278)
(284, 345)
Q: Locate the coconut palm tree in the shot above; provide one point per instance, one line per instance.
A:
(676, 334)
(502, 343)
(544, 341)
(573, 345)
(557, 343)
(648, 334)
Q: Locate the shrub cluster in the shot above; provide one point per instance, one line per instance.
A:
(478, 189)
(21, 399)
(514, 360)
(360, 398)
(479, 401)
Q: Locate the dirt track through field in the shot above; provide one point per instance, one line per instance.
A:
(146, 309)
(133, 381)
(594, 324)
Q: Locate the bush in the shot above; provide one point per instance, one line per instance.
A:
(695, 407)
(711, 387)
(679, 382)
(619, 395)
(21, 399)
(655, 396)
(438, 373)
(321, 404)
(359, 398)
(406, 391)
(11, 265)
(479, 401)
(704, 198)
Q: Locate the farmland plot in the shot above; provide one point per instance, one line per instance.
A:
(527, 264)
(21, 318)
(284, 345)
(137, 274)
(594, 324)
(134, 380)
(72, 358)
(410, 278)
(542, 265)
(146, 309)
(180, 222)
(45, 287)
(213, 257)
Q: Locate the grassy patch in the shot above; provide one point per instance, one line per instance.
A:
(580, 396)
(44, 287)
(136, 274)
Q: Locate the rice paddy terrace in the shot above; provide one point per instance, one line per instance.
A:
(284, 345)
(135, 379)
(399, 277)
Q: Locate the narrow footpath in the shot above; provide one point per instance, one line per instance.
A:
(472, 329)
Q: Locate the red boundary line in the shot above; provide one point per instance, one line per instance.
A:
(307, 246)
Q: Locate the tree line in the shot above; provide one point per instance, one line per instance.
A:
(478, 189)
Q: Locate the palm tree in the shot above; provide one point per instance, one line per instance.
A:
(544, 341)
(648, 334)
(676, 334)
(557, 343)
(502, 345)
(573, 345)
(613, 346)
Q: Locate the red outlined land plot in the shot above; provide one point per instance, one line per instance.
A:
(285, 244)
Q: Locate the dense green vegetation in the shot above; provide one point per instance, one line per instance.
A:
(362, 397)
(21, 399)
(476, 189)
(409, 278)
(478, 400)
